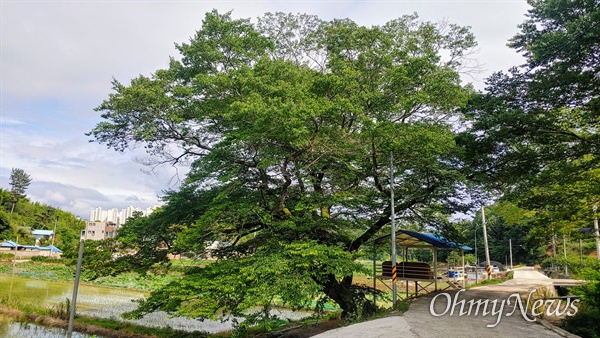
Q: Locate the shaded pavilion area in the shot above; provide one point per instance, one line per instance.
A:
(423, 274)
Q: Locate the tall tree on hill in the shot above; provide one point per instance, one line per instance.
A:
(19, 182)
(288, 126)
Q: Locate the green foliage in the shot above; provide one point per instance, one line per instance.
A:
(402, 305)
(33, 215)
(505, 221)
(586, 322)
(288, 126)
(6, 257)
(39, 270)
(5, 227)
(277, 273)
(591, 290)
(576, 266)
(61, 310)
(19, 181)
(47, 259)
(535, 132)
(60, 272)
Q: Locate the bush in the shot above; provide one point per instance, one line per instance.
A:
(575, 265)
(46, 259)
(586, 323)
(6, 257)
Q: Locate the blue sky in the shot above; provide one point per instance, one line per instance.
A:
(58, 59)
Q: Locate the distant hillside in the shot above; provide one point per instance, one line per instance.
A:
(28, 216)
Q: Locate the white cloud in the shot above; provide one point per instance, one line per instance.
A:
(10, 121)
(55, 196)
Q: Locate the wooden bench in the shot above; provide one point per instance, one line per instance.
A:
(416, 270)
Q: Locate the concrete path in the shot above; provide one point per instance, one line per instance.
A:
(419, 321)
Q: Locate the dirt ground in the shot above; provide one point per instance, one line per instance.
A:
(304, 331)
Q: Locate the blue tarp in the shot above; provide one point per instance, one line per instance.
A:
(413, 238)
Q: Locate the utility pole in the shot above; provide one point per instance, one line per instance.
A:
(15, 258)
(510, 250)
(393, 216)
(75, 287)
(553, 250)
(476, 258)
(597, 232)
(53, 236)
(485, 242)
(565, 253)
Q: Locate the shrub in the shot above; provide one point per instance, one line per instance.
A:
(586, 323)
(575, 265)
(6, 257)
(46, 259)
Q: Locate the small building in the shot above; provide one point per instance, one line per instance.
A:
(26, 251)
(39, 234)
(98, 231)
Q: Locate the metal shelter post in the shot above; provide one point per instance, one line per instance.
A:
(464, 275)
(393, 216)
(435, 272)
(374, 275)
(510, 246)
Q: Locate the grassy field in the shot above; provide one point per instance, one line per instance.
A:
(130, 280)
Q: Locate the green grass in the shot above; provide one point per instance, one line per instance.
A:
(6, 257)
(509, 276)
(167, 332)
(61, 272)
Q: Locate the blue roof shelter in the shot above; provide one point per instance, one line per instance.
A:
(408, 238)
(42, 233)
(12, 245)
(418, 271)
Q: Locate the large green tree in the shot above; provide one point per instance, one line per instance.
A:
(288, 126)
(535, 134)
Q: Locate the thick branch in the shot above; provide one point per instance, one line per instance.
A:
(385, 219)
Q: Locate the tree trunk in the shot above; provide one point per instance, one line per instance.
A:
(353, 304)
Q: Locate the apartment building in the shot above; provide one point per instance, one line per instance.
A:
(98, 231)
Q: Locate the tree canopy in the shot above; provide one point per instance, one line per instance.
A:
(535, 129)
(288, 126)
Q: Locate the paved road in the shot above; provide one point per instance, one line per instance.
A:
(418, 321)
